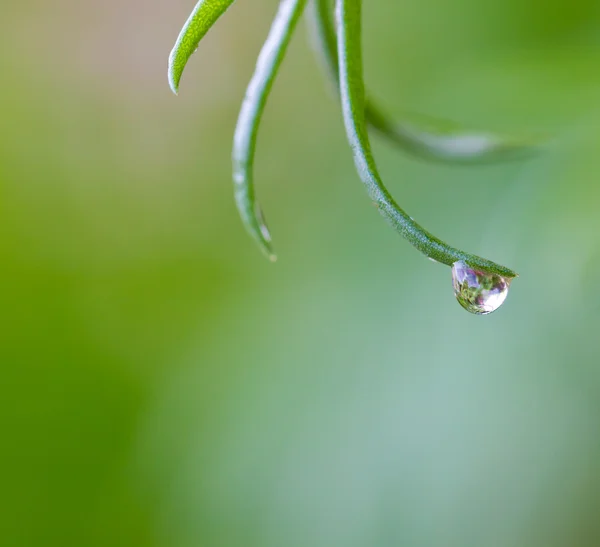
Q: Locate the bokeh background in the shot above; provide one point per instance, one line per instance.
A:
(163, 385)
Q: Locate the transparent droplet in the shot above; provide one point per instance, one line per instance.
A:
(478, 291)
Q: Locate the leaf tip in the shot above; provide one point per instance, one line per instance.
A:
(174, 76)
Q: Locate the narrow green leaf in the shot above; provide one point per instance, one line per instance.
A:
(429, 138)
(203, 17)
(244, 142)
(353, 106)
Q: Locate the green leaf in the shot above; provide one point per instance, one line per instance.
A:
(244, 141)
(426, 137)
(353, 106)
(203, 17)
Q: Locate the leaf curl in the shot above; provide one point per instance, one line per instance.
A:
(353, 106)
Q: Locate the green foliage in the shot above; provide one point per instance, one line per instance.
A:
(162, 386)
(244, 141)
(203, 17)
(355, 108)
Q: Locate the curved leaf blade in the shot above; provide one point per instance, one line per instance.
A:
(202, 18)
(353, 107)
(244, 141)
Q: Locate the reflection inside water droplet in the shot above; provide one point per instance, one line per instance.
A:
(478, 291)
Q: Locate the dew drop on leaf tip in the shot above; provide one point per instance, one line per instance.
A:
(478, 291)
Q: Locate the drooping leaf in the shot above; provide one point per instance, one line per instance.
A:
(244, 141)
(352, 93)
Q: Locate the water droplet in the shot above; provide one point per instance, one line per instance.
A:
(478, 291)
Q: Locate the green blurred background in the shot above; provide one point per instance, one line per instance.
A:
(164, 385)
